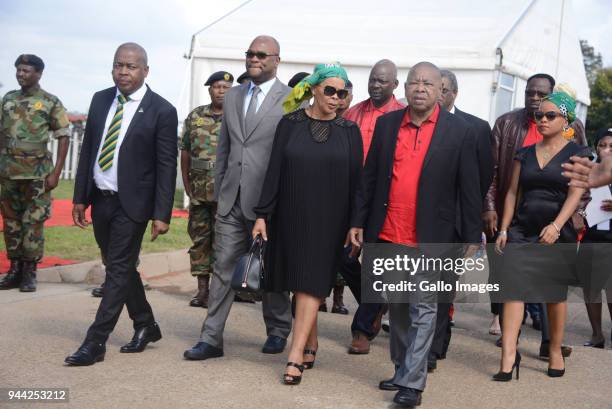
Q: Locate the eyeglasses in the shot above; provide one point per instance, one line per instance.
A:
(533, 93)
(259, 54)
(550, 115)
(330, 91)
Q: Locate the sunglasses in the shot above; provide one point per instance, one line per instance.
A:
(259, 54)
(533, 93)
(330, 91)
(550, 115)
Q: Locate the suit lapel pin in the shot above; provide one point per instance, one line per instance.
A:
(140, 110)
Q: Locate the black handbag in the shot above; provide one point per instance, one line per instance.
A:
(249, 272)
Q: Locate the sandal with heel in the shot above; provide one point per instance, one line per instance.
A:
(310, 364)
(289, 379)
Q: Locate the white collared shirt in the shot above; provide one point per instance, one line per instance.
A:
(452, 110)
(265, 88)
(107, 180)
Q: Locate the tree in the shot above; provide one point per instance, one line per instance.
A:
(592, 61)
(600, 111)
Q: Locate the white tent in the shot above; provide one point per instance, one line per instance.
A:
(492, 46)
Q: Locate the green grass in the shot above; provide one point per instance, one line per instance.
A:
(65, 189)
(73, 243)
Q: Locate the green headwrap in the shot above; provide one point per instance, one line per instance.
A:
(565, 103)
(303, 90)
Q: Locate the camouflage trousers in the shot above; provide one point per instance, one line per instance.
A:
(201, 230)
(25, 206)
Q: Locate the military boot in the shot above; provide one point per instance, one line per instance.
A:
(338, 306)
(28, 282)
(201, 297)
(13, 276)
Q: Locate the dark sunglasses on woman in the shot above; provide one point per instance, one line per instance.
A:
(329, 91)
(550, 115)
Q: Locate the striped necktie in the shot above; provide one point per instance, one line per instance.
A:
(110, 140)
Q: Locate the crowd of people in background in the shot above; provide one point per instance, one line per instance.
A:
(315, 178)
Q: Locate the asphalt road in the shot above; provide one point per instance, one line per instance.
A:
(40, 329)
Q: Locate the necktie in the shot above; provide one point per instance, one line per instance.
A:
(110, 140)
(249, 118)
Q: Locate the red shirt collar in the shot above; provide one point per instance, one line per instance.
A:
(433, 118)
(385, 108)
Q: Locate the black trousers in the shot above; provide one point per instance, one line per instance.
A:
(119, 239)
(443, 333)
(366, 312)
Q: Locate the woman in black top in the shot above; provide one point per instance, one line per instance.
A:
(306, 203)
(543, 216)
(595, 256)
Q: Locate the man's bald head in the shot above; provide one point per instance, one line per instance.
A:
(423, 87)
(269, 41)
(382, 82)
(262, 59)
(130, 67)
(137, 48)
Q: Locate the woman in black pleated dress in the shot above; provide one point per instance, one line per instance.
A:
(305, 205)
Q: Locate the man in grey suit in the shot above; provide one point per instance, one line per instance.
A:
(251, 113)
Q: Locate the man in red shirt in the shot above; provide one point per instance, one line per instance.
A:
(420, 182)
(381, 84)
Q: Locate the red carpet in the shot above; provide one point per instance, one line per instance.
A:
(61, 215)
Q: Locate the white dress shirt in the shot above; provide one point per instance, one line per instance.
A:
(107, 180)
(452, 110)
(264, 87)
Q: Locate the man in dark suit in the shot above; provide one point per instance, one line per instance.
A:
(251, 112)
(127, 173)
(421, 169)
(450, 89)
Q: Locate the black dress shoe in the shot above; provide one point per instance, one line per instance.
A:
(98, 292)
(566, 351)
(88, 354)
(201, 351)
(141, 338)
(388, 385)
(432, 364)
(408, 397)
(274, 345)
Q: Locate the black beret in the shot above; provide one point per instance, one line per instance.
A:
(602, 133)
(32, 60)
(297, 78)
(219, 76)
(244, 76)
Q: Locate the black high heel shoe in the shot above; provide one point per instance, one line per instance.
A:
(289, 379)
(507, 376)
(556, 373)
(310, 364)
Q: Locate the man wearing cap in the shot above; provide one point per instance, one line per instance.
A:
(198, 155)
(27, 174)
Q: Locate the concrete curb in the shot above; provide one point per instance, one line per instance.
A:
(92, 272)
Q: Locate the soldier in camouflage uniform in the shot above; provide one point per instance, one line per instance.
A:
(27, 174)
(198, 155)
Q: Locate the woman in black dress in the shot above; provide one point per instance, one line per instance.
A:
(543, 216)
(306, 203)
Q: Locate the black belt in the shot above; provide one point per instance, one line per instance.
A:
(107, 192)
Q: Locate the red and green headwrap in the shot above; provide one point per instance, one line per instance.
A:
(565, 103)
(303, 90)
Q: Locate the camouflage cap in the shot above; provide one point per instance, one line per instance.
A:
(219, 76)
(31, 60)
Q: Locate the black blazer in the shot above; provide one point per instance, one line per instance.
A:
(449, 178)
(484, 151)
(147, 157)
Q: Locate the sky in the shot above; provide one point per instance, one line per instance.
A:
(77, 39)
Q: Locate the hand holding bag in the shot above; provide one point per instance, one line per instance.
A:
(249, 272)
